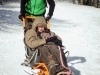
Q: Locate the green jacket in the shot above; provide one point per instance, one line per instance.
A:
(35, 7)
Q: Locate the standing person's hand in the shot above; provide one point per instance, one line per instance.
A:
(21, 16)
(47, 18)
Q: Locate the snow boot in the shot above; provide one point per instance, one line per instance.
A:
(26, 62)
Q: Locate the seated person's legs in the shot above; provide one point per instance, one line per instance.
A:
(55, 52)
(45, 54)
(53, 64)
(46, 57)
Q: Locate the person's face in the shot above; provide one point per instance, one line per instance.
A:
(40, 28)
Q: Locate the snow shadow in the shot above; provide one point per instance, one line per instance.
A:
(76, 60)
(55, 20)
(8, 19)
(10, 2)
(62, 23)
(75, 71)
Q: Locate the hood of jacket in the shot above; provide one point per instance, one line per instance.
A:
(39, 20)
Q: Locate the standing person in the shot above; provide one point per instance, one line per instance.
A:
(47, 42)
(36, 8)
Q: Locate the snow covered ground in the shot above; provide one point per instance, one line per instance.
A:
(78, 26)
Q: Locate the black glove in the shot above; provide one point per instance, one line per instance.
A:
(21, 16)
(58, 42)
(51, 39)
(47, 18)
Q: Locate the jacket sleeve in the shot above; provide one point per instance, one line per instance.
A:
(51, 7)
(32, 41)
(22, 6)
(53, 34)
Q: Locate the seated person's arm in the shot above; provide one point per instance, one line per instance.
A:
(32, 41)
(51, 39)
(58, 40)
(53, 34)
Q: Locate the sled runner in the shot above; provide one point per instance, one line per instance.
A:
(35, 61)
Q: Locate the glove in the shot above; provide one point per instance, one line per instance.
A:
(51, 39)
(47, 18)
(58, 42)
(21, 16)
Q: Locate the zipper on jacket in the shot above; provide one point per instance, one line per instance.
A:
(34, 6)
(31, 4)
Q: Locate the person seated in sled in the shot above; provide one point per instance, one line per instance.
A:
(47, 42)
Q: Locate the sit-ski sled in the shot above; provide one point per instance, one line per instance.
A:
(41, 66)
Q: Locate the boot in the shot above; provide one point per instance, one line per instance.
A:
(26, 62)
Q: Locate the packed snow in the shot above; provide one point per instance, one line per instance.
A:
(77, 25)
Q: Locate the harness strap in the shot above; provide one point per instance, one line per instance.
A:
(68, 70)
